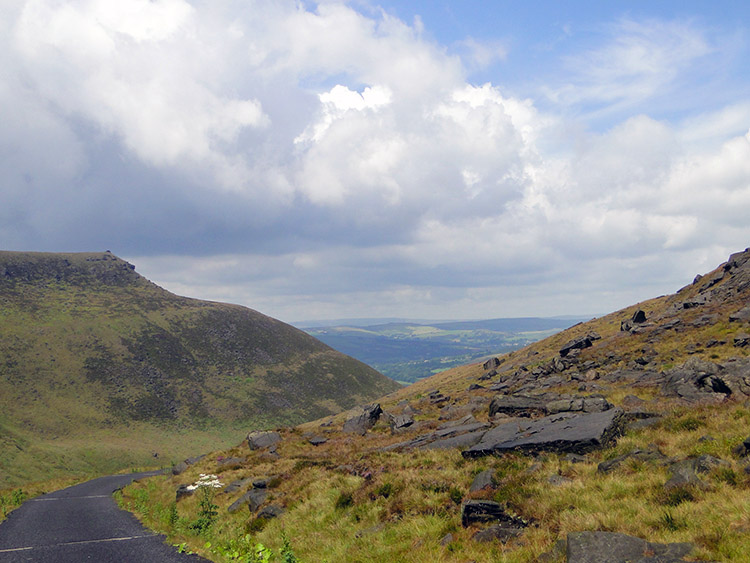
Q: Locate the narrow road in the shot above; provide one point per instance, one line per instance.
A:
(83, 523)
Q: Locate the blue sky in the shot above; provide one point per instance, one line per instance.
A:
(362, 159)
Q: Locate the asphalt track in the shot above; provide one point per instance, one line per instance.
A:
(83, 523)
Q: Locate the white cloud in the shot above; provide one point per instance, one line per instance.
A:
(321, 161)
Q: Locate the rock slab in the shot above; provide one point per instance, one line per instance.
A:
(561, 433)
(612, 547)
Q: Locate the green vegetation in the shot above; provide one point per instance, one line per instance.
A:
(408, 352)
(91, 354)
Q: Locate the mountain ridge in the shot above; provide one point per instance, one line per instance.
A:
(88, 343)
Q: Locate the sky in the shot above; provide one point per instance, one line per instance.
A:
(416, 159)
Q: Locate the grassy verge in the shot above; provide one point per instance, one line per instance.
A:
(351, 503)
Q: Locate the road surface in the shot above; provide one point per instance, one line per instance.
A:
(83, 523)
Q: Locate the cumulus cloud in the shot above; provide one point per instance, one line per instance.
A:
(316, 160)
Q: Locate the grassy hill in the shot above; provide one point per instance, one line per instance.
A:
(101, 369)
(409, 351)
(672, 375)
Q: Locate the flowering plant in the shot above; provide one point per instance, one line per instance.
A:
(206, 480)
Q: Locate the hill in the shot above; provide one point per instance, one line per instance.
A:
(621, 439)
(409, 350)
(101, 368)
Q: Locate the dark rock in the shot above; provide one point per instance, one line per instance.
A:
(699, 380)
(253, 499)
(626, 326)
(401, 421)
(557, 480)
(650, 454)
(498, 532)
(489, 375)
(271, 511)
(183, 465)
(230, 462)
(743, 448)
(235, 486)
(631, 401)
(361, 422)
(579, 343)
(613, 547)
(262, 482)
(179, 468)
(639, 317)
(575, 458)
(317, 440)
(561, 433)
(475, 387)
(492, 363)
(260, 440)
(706, 463)
(479, 511)
(582, 404)
(483, 480)
(182, 492)
(741, 340)
(741, 316)
(446, 539)
(518, 405)
(684, 476)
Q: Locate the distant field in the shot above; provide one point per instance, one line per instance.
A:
(408, 351)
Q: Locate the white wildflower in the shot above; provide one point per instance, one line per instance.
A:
(206, 480)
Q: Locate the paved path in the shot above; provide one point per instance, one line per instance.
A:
(83, 523)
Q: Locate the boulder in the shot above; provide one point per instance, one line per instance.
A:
(684, 476)
(235, 486)
(741, 316)
(492, 363)
(741, 340)
(260, 440)
(483, 480)
(639, 317)
(363, 420)
(613, 547)
(401, 421)
(182, 492)
(183, 465)
(317, 440)
(271, 511)
(479, 511)
(561, 433)
(253, 499)
(579, 343)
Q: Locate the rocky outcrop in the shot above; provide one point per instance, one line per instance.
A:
(363, 420)
(561, 433)
(700, 380)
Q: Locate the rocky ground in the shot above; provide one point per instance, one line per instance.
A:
(621, 439)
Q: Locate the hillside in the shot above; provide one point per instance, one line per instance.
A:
(625, 438)
(409, 351)
(102, 368)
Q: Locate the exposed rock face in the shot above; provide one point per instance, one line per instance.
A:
(697, 380)
(365, 419)
(612, 547)
(562, 433)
